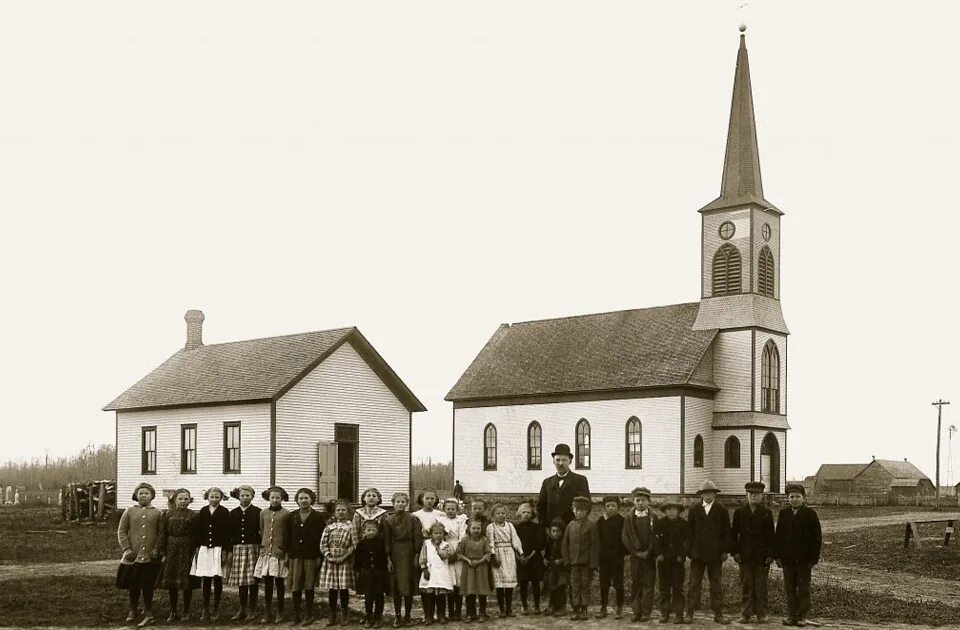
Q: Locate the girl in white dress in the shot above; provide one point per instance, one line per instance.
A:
(455, 525)
(505, 543)
(428, 512)
(435, 578)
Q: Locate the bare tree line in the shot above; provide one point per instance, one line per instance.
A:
(92, 463)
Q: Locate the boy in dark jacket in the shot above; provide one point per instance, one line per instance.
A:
(638, 538)
(797, 546)
(670, 534)
(751, 543)
(581, 553)
(708, 525)
(557, 575)
(612, 552)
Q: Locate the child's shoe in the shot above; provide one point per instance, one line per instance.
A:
(548, 612)
(267, 615)
(524, 611)
(744, 619)
(131, 617)
(173, 617)
(602, 614)
(344, 617)
(239, 616)
(762, 619)
(801, 622)
(665, 617)
(148, 620)
(536, 609)
(619, 613)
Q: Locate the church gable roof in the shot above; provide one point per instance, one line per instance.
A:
(623, 350)
(249, 371)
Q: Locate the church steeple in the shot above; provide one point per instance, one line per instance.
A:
(741, 182)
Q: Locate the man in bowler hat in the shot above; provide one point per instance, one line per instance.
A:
(708, 525)
(557, 491)
(751, 543)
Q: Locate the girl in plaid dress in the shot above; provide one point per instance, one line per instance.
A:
(272, 564)
(245, 536)
(336, 574)
(506, 546)
(177, 546)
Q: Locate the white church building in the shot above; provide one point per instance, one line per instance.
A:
(662, 397)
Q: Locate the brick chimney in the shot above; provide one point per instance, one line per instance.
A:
(194, 321)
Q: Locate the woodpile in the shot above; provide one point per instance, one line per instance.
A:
(91, 501)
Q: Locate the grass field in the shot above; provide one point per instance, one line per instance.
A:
(33, 534)
(882, 548)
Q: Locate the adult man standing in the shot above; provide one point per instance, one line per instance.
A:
(709, 527)
(751, 543)
(557, 491)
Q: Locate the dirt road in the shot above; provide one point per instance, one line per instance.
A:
(848, 524)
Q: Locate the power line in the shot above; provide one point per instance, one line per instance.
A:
(939, 405)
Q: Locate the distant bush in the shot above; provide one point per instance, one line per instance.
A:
(93, 463)
(436, 475)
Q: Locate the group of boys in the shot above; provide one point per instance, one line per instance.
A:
(659, 546)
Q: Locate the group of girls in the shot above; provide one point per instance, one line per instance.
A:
(437, 552)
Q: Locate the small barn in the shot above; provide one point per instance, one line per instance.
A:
(320, 409)
(838, 478)
(880, 476)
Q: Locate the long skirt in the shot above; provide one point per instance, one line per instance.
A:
(240, 571)
(208, 562)
(505, 575)
(304, 573)
(176, 565)
(336, 575)
(406, 569)
(270, 566)
(476, 580)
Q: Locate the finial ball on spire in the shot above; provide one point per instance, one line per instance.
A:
(743, 27)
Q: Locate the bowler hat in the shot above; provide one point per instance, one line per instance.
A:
(641, 491)
(796, 487)
(754, 486)
(707, 486)
(562, 449)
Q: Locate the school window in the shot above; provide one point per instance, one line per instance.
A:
(698, 452)
(731, 453)
(148, 457)
(231, 447)
(188, 448)
(583, 443)
(765, 273)
(634, 443)
(490, 447)
(534, 446)
(770, 378)
(726, 271)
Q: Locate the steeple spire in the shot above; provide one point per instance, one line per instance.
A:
(741, 164)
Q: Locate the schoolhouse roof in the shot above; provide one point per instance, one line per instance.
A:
(622, 350)
(255, 370)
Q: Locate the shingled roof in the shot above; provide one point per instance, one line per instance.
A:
(901, 469)
(839, 472)
(642, 348)
(250, 371)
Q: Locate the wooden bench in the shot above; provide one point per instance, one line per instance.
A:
(912, 531)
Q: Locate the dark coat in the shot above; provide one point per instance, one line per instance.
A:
(581, 544)
(708, 533)
(556, 501)
(638, 535)
(370, 565)
(751, 534)
(798, 538)
(612, 550)
(213, 530)
(303, 534)
(671, 538)
(245, 526)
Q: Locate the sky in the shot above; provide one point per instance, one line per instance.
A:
(429, 170)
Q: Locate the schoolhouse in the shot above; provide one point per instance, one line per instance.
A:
(321, 410)
(659, 397)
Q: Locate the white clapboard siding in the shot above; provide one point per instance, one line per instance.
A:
(732, 367)
(660, 418)
(712, 242)
(781, 341)
(254, 422)
(698, 420)
(730, 480)
(761, 217)
(343, 388)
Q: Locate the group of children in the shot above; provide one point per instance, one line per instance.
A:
(447, 556)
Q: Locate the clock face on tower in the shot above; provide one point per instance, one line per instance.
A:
(727, 230)
(766, 231)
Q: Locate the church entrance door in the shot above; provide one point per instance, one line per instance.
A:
(770, 463)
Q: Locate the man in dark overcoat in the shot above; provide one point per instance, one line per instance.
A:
(751, 543)
(709, 527)
(557, 491)
(797, 547)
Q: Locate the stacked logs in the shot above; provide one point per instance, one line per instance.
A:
(90, 501)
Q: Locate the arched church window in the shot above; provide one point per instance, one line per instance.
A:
(765, 273)
(634, 448)
(534, 446)
(770, 378)
(490, 447)
(698, 452)
(727, 269)
(583, 444)
(731, 453)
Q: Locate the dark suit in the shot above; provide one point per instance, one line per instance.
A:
(707, 534)
(671, 542)
(751, 536)
(797, 546)
(638, 537)
(557, 501)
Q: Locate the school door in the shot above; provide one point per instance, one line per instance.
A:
(327, 471)
(338, 469)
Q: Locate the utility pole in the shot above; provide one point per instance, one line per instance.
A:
(939, 405)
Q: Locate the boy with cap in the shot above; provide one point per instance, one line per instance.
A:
(581, 554)
(612, 552)
(751, 543)
(639, 541)
(670, 534)
(797, 546)
(708, 526)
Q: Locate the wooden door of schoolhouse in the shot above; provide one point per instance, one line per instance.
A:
(327, 471)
